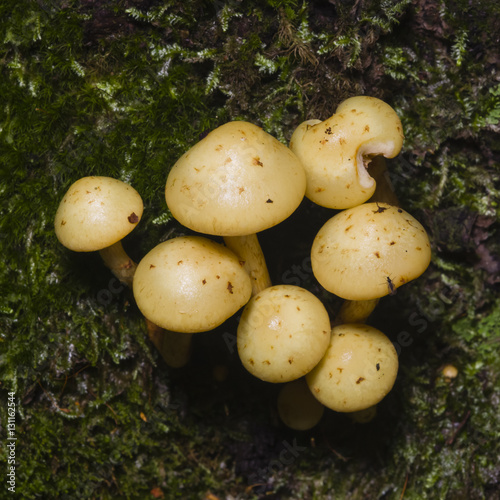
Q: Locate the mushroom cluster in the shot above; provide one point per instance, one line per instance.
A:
(234, 183)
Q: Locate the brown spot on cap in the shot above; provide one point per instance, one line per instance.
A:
(133, 218)
(360, 379)
(269, 200)
(230, 287)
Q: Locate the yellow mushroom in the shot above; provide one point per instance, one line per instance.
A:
(368, 251)
(190, 284)
(95, 214)
(335, 152)
(235, 182)
(358, 370)
(283, 333)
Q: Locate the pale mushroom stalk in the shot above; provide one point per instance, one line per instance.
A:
(120, 264)
(297, 408)
(355, 311)
(249, 251)
(174, 347)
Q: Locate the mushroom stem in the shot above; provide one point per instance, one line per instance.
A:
(249, 251)
(174, 347)
(384, 192)
(120, 264)
(355, 311)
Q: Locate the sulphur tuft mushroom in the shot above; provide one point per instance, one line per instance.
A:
(190, 284)
(297, 407)
(368, 251)
(283, 333)
(358, 370)
(235, 182)
(336, 152)
(95, 214)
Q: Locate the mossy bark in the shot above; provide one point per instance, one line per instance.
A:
(122, 88)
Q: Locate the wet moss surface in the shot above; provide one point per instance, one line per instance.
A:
(122, 88)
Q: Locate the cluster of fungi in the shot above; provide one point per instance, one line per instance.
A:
(240, 180)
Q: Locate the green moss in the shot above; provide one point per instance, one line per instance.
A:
(123, 88)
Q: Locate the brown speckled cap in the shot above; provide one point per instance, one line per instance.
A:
(190, 284)
(334, 152)
(97, 212)
(283, 332)
(368, 251)
(357, 371)
(238, 180)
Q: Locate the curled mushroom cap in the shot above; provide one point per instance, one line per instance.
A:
(238, 180)
(368, 251)
(358, 370)
(334, 152)
(190, 284)
(283, 332)
(97, 212)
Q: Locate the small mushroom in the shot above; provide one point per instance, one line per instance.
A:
(235, 182)
(367, 252)
(336, 152)
(283, 333)
(96, 213)
(190, 284)
(358, 370)
(297, 407)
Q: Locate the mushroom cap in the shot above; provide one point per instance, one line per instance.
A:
(357, 252)
(238, 180)
(297, 407)
(334, 152)
(190, 284)
(97, 212)
(283, 332)
(357, 371)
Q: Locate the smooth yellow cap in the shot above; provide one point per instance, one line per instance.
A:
(283, 332)
(358, 370)
(97, 212)
(190, 284)
(357, 252)
(238, 180)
